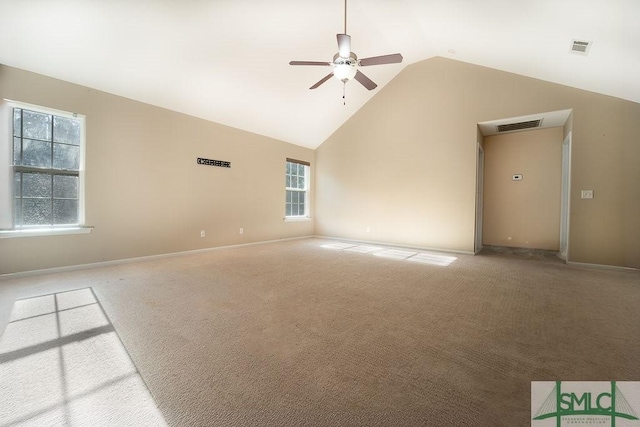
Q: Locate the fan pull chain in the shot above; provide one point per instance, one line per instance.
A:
(344, 93)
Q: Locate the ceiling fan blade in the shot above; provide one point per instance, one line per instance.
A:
(309, 63)
(344, 45)
(322, 81)
(379, 60)
(365, 81)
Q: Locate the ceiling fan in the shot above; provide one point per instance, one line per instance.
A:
(346, 63)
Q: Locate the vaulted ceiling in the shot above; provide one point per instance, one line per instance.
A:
(227, 60)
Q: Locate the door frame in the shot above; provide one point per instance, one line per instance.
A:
(479, 196)
(565, 198)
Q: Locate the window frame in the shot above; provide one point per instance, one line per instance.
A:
(8, 226)
(306, 190)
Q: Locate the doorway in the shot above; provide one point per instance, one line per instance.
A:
(544, 120)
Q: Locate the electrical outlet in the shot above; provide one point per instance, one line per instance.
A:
(241, 230)
(518, 177)
(587, 194)
(368, 229)
(203, 233)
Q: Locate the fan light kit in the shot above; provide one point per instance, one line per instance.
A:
(346, 63)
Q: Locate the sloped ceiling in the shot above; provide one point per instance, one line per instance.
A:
(227, 60)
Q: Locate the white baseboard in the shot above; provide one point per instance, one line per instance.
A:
(396, 245)
(137, 259)
(600, 266)
(8, 276)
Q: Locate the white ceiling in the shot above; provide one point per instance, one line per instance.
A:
(227, 60)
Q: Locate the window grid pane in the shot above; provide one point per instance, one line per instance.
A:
(17, 211)
(36, 125)
(48, 143)
(17, 198)
(65, 211)
(66, 131)
(66, 157)
(296, 177)
(17, 184)
(36, 211)
(17, 122)
(295, 204)
(36, 153)
(36, 185)
(65, 187)
(17, 151)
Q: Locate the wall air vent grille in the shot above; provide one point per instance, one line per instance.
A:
(580, 47)
(510, 127)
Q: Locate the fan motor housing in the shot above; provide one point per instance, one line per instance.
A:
(352, 60)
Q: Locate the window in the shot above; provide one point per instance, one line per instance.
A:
(46, 168)
(297, 188)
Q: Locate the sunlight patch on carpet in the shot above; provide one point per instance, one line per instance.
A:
(364, 249)
(397, 254)
(338, 246)
(442, 260)
(62, 363)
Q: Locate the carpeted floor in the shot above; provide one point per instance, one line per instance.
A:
(310, 332)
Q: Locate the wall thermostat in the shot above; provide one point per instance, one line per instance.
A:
(517, 177)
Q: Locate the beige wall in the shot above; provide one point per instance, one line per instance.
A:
(145, 194)
(404, 165)
(523, 214)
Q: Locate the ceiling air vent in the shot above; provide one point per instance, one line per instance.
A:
(580, 47)
(510, 127)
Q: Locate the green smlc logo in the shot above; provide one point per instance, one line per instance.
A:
(610, 403)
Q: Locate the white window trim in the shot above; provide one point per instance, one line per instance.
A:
(6, 113)
(38, 232)
(297, 218)
(307, 199)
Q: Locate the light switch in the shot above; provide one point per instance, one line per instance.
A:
(587, 194)
(518, 177)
